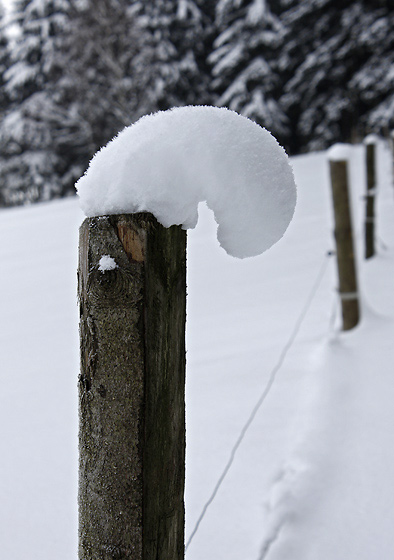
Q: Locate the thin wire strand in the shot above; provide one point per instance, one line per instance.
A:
(263, 396)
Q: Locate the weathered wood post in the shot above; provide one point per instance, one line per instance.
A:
(132, 293)
(370, 146)
(348, 289)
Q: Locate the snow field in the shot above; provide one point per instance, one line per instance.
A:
(39, 370)
(312, 479)
(307, 506)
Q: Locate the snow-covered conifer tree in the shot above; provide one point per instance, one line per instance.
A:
(4, 63)
(130, 58)
(4, 59)
(84, 69)
(244, 69)
(41, 128)
(314, 61)
(104, 40)
(173, 62)
(373, 82)
(335, 59)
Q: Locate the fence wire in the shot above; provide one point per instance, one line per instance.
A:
(263, 396)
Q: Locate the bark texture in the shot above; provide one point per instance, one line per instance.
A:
(131, 389)
(348, 289)
(370, 202)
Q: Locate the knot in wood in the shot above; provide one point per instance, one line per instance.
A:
(115, 287)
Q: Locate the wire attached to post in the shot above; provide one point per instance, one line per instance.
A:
(348, 296)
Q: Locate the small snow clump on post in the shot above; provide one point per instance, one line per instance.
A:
(107, 263)
(168, 162)
(371, 139)
(339, 152)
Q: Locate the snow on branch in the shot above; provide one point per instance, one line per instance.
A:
(168, 162)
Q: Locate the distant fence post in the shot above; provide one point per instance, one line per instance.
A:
(132, 293)
(392, 153)
(370, 199)
(348, 289)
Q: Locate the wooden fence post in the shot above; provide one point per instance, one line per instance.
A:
(348, 290)
(370, 200)
(132, 293)
(392, 153)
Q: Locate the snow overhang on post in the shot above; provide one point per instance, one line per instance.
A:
(168, 162)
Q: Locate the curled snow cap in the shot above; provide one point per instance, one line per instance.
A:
(168, 162)
(339, 152)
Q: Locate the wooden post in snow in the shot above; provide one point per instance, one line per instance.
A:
(132, 293)
(370, 200)
(392, 153)
(348, 289)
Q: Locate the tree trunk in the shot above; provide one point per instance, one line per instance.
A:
(370, 201)
(348, 290)
(131, 389)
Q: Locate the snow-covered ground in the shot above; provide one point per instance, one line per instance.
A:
(312, 479)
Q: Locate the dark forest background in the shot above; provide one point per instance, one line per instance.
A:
(73, 73)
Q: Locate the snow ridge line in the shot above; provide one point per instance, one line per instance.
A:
(263, 396)
(281, 500)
